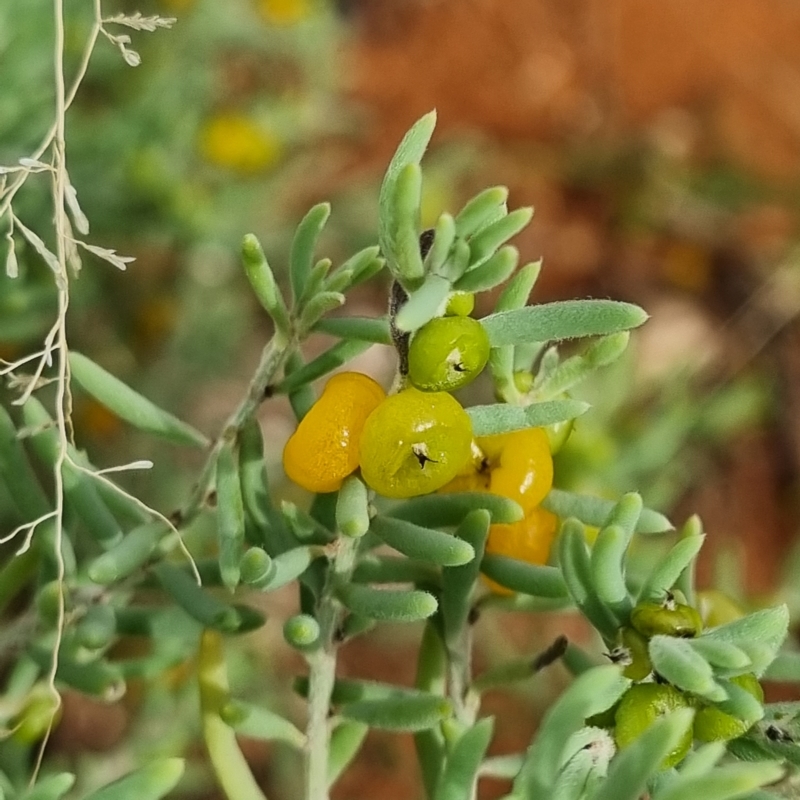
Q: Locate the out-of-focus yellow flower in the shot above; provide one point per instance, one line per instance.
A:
(284, 12)
(235, 142)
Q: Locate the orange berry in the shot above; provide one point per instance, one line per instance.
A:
(324, 449)
(528, 540)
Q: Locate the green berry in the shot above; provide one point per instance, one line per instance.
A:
(447, 353)
(669, 619)
(460, 304)
(713, 725)
(414, 443)
(635, 644)
(640, 707)
(301, 630)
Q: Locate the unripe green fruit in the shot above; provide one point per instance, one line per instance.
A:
(636, 645)
(670, 619)
(713, 725)
(640, 707)
(301, 630)
(447, 353)
(460, 304)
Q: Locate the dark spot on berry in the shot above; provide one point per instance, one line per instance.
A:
(459, 367)
(422, 457)
(269, 391)
(473, 616)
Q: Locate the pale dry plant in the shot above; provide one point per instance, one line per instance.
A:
(50, 158)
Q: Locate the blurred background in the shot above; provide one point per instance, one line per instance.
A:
(660, 146)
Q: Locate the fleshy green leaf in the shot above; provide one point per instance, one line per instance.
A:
(679, 663)
(423, 304)
(129, 404)
(410, 151)
(390, 605)
(17, 474)
(406, 199)
(263, 282)
(519, 576)
(51, 787)
(152, 782)
(759, 634)
(486, 241)
(316, 308)
(502, 418)
(375, 568)
(258, 722)
(592, 692)
(458, 582)
(667, 571)
(365, 329)
(346, 740)
(460, 774)
(595, 511)
(412, 713)
(443, 238)
(443, 510)
(425, 544)
(304, 244)
(326, 362)
(608, 569)
(573, 557)
(289, 566)
(132, 552)
(724, 783)
(640, 761)
(568, 319)
(485, 208)
(494, 271)
(571, 372)
(207, 609)
(352, 507)
(722, 654)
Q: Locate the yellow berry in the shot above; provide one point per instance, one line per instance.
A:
(414, 442)
(324, 449)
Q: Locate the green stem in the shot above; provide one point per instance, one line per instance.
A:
(322, 666)
(459, 656)
(273, 357)
(226, 758)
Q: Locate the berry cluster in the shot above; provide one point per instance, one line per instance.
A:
(650, 697)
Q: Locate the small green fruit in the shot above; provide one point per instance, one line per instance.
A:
(447, 353)
(713, 725)
(640, 707)
(667, 619)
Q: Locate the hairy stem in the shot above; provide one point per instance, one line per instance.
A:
(322, 666)
(273, 357)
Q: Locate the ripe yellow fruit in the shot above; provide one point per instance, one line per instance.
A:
(324, 449)
(414, 443)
